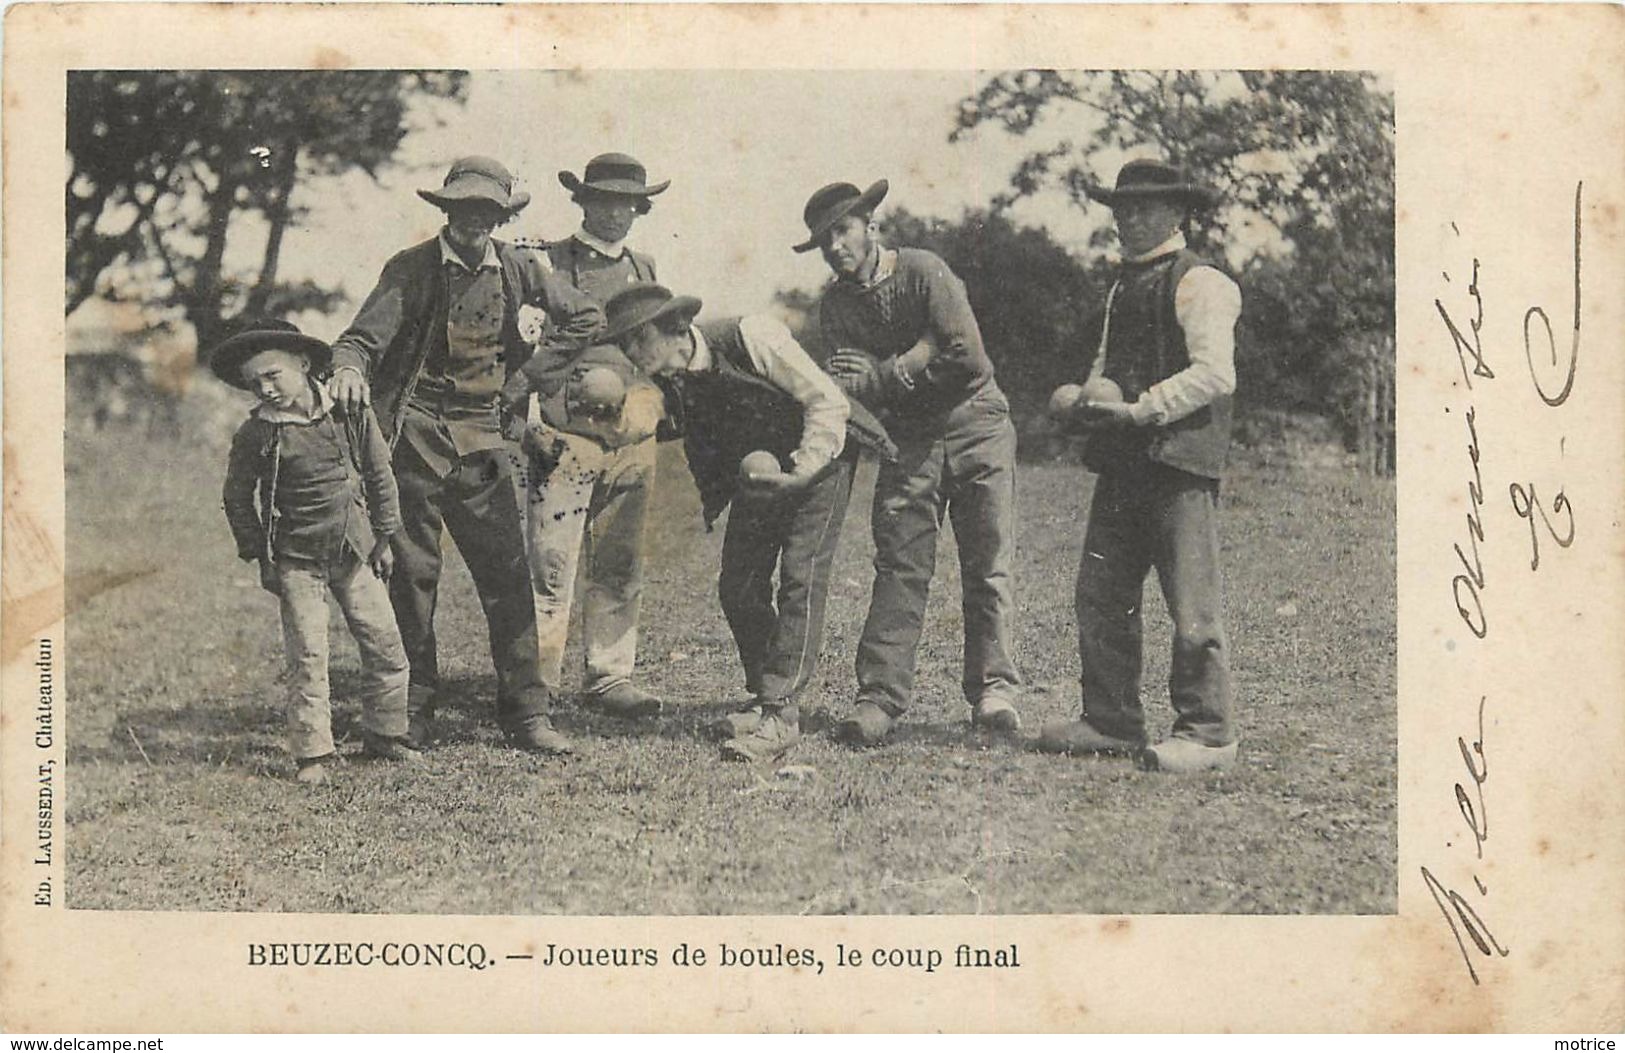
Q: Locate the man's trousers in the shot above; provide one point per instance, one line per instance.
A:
(473, 497)
(590, 507)
(779, 641)
(1144, 517)
(962, 465)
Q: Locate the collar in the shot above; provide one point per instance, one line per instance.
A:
(702, 360)
(614, 250)
(885, 267)
(272, 415)
(449, 255)
(1173, 244)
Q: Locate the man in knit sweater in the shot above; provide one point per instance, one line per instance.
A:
(908, 347)
(737, 387)
(1169, 345)
(430, 350)
(607, 483)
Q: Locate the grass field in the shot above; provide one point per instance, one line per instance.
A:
(178, 796)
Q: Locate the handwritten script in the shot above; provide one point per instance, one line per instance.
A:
(1552, 370)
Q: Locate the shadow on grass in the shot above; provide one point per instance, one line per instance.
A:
(693, 723)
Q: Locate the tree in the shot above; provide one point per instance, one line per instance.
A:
(1308, 152)
(162, 162)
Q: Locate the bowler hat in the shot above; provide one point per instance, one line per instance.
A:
(265, 334)
(829, 204)
(1146, 179)
(641, 303)
(477, 179)
(613, 174)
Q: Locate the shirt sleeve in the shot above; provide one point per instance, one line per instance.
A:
(576, 317)
(243, 469)
(378, 476)
(786, 365)
(375, 325)
(1206, 305)
(954, 354)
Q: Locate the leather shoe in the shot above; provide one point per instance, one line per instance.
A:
(741, 721)
(866, 725)
(389, 748)
(312, 771)
(1079, 737)
(419, 730)
(995, 714)
(625, 700)
(420, 702)
(777, 731)
(537, 735)
(1187, 755)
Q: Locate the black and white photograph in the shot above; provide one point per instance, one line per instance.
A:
(706, 493)
(741, 518)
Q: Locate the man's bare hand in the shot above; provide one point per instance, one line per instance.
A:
(856, 373)
(382, 559)
(770, 484)
(1103, 414)
(350, 390)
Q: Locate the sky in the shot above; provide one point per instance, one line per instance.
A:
(743, 151)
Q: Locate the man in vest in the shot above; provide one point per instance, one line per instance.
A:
(614, 483)
(743, 386)
(430, 350)
(1169, 345)
(908, 347)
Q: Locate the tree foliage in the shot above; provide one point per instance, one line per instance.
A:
(162, 162)
(1309, 153)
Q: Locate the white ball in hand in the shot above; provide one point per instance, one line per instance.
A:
(1064, 399)
(758, 463)
(1101, 389)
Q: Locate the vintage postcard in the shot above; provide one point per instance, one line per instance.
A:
(813, 518)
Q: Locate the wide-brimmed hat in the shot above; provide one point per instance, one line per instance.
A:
(1146, 179)
(829, 204)
(613, 174)
(641, 303)
(477, 179)
(265, 334)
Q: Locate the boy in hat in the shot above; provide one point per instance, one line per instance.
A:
(1169, 344)
(909, 348)
(741, 388)
(581, 469)
(431, 349)
(327, 510)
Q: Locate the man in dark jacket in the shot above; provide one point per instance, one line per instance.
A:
(1168, 344)
(908, 347)
(742, 390)
(431, 349)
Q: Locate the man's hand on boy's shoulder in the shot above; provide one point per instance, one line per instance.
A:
(349, 389)
(382, 559)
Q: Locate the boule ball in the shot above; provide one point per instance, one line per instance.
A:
(758, 463)
(600, 388)
(1101, 389)
(1065, 397)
